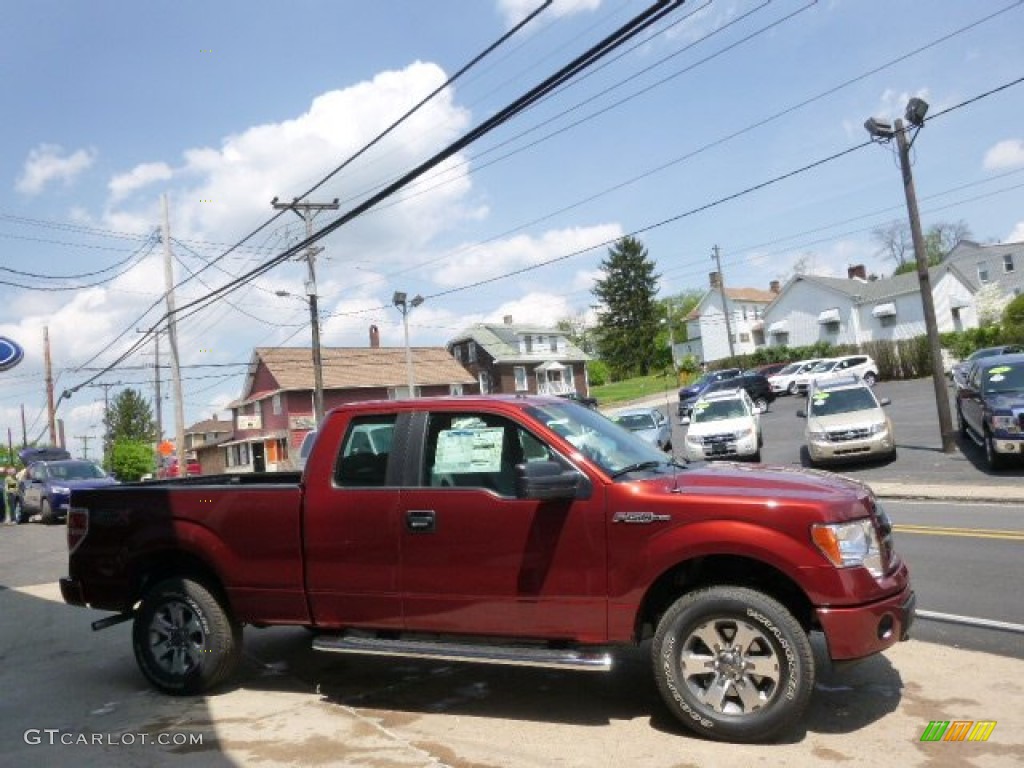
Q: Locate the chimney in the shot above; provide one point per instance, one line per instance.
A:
(774, 287)
(508, 319)
(374, 337)
(857, 272)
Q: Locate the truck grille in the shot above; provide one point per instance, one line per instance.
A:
(845, 435)
(722, 444)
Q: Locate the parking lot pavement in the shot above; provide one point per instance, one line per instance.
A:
(920, 470)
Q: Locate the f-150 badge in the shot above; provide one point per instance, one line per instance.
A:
(639, 517)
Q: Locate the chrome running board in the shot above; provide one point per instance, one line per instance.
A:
(480, 653)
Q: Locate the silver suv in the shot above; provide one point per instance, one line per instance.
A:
(845, 422)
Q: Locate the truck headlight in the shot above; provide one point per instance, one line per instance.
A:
(691, 440)
(877, 428)
(850, 545)
(818, 435)
(1005, 423)
(744, 433)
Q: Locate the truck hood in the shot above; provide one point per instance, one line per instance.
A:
(1009, 402)
(726, 482)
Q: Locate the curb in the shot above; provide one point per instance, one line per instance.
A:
(989, 494)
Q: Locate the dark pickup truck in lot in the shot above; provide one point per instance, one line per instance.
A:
(990, 407)
(504, 530)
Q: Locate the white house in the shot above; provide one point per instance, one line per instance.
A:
(707, 338)
(854, 310)
(1000, 264)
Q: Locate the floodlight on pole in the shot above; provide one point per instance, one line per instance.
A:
(916, 110)
(404, 304)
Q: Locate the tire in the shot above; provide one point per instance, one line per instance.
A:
(762, 403)
(704, 627)
(993, 458)
(792, 388)
(46, 513)
(185, 640)
(19, 512)
(870, 378)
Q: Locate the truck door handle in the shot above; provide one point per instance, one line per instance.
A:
(420, 520)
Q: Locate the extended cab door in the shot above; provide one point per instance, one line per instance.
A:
(352, 527)
(478, 560)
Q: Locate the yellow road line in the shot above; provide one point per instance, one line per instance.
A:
(977, 533)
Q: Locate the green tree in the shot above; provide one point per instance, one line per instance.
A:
(130, 418)
(627, 318)
(131, 459)
(1013, 320)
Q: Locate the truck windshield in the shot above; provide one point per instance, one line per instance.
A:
(597, 438)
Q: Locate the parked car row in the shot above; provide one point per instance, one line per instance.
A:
(796, 378)
(755, 385)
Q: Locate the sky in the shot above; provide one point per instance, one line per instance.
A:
(736, 123)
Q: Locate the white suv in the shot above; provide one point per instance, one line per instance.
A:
(784, 381)
(861, 366)
(724, 425)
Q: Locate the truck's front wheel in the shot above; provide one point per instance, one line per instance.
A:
(733, 664)
(184, 638)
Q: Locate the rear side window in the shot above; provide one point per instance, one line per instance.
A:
(366, 452)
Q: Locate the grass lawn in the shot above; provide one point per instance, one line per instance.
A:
(633, 389)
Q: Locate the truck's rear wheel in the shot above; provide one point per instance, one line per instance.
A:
(733, 664)
(185, 640)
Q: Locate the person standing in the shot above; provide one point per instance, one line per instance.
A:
(10, 493)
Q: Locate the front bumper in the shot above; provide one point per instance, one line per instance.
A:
(853, 633)
(871, 447)
(1011, 446)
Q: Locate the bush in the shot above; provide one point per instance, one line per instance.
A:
(597, 371)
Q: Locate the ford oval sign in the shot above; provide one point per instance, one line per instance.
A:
(10, 354)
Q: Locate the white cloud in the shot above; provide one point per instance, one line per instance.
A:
(470, 264)
(47, 163)
(221, 192)
(1005, 154)
(537, 308)
(138, 177)
(1017, 235)
(515, 11)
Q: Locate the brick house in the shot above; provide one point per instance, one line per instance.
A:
(275, 410)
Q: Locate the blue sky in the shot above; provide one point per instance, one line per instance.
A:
(223, 106)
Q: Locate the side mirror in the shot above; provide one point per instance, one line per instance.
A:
(801, 414)
(547, 480)
(884, 402)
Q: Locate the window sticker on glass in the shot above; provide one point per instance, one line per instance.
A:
(999, 370)
(468, 450)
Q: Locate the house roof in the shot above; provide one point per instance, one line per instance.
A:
(750, 295)
(501, 341)
(209, 425)
(874, 291)
(355, 368)
(968, 253)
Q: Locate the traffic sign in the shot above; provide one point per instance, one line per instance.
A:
(10, 353)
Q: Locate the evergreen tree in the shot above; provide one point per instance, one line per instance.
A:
(627, 318)
(130, 418)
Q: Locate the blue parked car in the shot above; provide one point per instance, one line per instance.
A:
(688, 395)
(47, 485)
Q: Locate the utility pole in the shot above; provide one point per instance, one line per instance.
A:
(881, 130)
(24, 429)
(85, 445)
(307, 212)
(106, 421)
(172, 336)
(158, 405)
(50, 411)
(725, 302)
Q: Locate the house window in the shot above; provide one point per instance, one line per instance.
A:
(529, 344)
(1007, 262)
(744, 312)
(744, 337)
(471, 352)
(553, 341)
(888, 321)
(831, 327)
(275, 404)
(982, 272)
(485, 383)
(457, 350)
(455, 389)
(402, 393)
(521, 383)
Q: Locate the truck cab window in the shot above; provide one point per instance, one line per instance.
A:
(363, 461)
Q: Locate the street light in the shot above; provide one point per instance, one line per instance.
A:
(318, 369)
(883, 132)
(404, 305)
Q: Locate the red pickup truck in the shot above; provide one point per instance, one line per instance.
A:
(504, 530)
